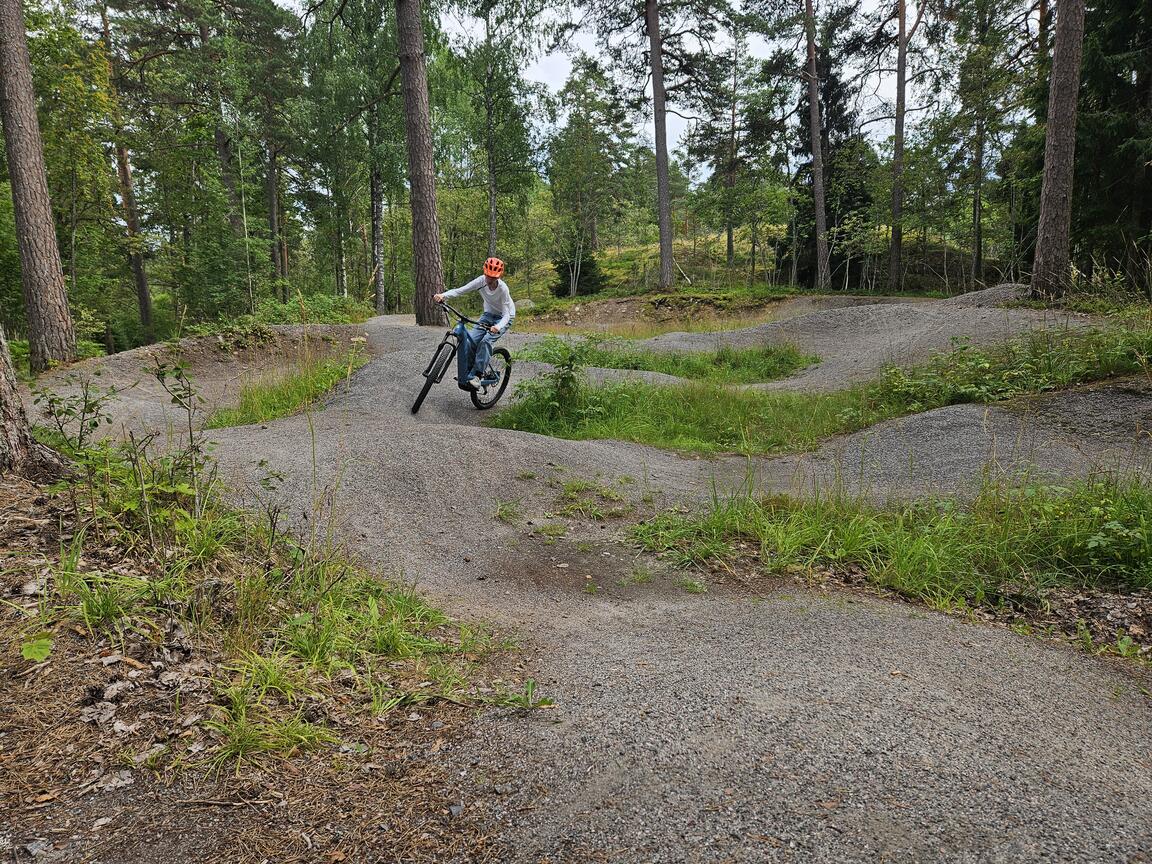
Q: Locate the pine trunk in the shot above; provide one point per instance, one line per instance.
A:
(823, 276)
(1050, 267)
(135, 253)
(730, 174)
(16, 446)
(426, 259)
(896, 249)
(660, 112)
(50, 332)
(272, 202)
(978, 206)
(376, 192)
(128, 201)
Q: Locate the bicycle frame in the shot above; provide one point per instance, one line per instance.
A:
(453, 339)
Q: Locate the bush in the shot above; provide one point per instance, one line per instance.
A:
(314, 309)
(591, 279)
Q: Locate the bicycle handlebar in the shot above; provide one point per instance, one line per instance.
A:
(458, 314)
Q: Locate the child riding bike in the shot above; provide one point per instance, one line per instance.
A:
(499, 313)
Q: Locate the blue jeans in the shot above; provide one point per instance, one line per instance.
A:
(476, 348)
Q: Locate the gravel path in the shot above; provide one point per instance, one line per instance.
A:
(857, 342)
(712, 728)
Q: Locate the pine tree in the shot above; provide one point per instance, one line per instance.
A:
(50, 331)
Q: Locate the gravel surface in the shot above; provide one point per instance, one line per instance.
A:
(711, 727)
(221, 367)
(857, 342)
(951, 450)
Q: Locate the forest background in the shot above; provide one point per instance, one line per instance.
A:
(209, 160)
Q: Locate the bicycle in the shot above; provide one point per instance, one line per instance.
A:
(493, 382)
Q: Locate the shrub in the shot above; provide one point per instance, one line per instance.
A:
(590, 279)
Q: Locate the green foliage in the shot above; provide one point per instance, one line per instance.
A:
(1041, 361)
(287, 615)
(1010, 545)
(300, 388)
(699, 417)
(38, 648)
(708, 417)
(724, 365)
(581, 272)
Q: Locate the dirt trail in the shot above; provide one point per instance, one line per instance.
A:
(856, 343)
(221, 365)
(708, 728)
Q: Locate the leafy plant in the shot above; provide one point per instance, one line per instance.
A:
(525, 699)
(38, 648)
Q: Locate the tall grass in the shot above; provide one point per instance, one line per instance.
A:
(262, 401)
(700, 417)
(708, 417)
(724, 365)
(1009, 545)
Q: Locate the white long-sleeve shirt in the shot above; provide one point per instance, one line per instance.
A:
(497, 301)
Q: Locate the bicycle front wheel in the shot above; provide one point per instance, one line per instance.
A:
(498, 372)
(435, 373)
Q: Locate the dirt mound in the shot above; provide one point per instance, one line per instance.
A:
(1103, 427)
(798, 726)
(219, 365)
(997, 295)
(856, 343)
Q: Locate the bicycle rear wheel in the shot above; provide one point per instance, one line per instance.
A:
(499, 367)
(435, 373)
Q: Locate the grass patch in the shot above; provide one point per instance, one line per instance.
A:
(707, 417)
(724, 365)
(697, 417)
(262, 401)
(1010, 545)
(277, 625)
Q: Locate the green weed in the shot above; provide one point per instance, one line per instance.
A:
(1010, 545)
(509, 512)
(724, 365)
(262, 401)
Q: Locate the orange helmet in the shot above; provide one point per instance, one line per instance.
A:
(494, 267)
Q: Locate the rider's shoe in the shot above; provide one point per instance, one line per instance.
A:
(474, 382)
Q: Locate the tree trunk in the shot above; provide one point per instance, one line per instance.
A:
(1042, 35)
(1050, 266)
(426, 259)
(377, 195)
(491, 206)
(823, 277)
(221, 139)
(128, 199)
(272, 202)
(17, 448)
(50, 332)
(730, 174)
(660, 112)
(135, 252)
(896, 248)
(376, 204)
(338, 254)
(978, 206)
(393, 259)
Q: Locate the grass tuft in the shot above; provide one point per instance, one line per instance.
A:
(1010, 545)
(725, 365)
(262, 401)
(708, 417)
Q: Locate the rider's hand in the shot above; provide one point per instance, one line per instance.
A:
(439, 298)
(494, 330)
